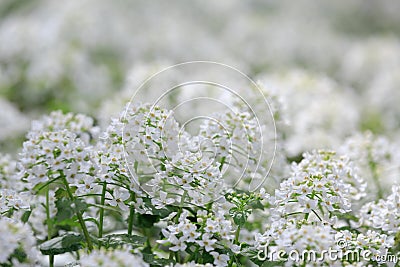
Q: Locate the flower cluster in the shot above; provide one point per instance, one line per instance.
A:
(307, 207)
(51, 155)
(384, 214)
(167, 187)
(377, 160)
(81, 125)
(299, 237)
(211, 233)
(12, 121)
(165, 161)
(118, 258)
(238, 138)
(18, 246)
(58, 146)
(8, 170)
(318, 122)
(11, 200)
(374, 243)
(322, 184)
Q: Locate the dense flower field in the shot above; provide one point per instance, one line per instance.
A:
(199, 133)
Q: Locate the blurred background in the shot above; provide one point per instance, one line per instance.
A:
(333, 66)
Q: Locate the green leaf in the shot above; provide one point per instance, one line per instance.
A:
(256, 204)
(249, 252)
(64, 209)
(68, 223)
(93, 220)
(80, 205)
(272, 264)
(25, 216)
(62, 244)
(110, 208)
(239, 217)
(145, 220)
(396, 246)
(118, 240)
(67, 208)
(18, 254)
(207, 258)
(61, 193)
(153, 261)
(165, 212)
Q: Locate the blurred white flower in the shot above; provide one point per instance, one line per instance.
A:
(320, 112)
(13, 123)
(119, 257)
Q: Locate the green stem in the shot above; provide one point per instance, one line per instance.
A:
(230, 263)
(80, 218)
(132, 208)
(236, 242)
(180, 207)
(375, 177)
(49, 223)
(102, 202)
(222, 163)
(177, 255)
(316, 214)
(293, 213)
(147, 234)
(131, 214)
(195, 254)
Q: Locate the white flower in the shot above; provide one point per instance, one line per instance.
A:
(193, 264)
(178, 242)
(9, 173)
(322, 122)
(207, 242)
(117, 198)
(291, 235)
(49, 155)
(120, 257)
(161, 202)
(11, 200)
(235, 249)
(81, 125)
(377, 160)
(211, 226)
(87, 184)
(385, 214)
(220, 259)
(308, 203)
(38, 175)
(189, 230)
(13, 235)
(321, 179)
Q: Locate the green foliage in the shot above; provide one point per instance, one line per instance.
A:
(67, 208)
(62, 244)
(245, 203)
(119, 240)
(155, 261)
